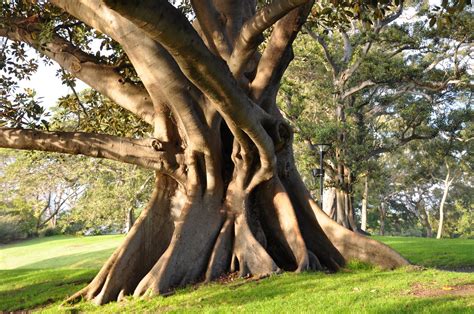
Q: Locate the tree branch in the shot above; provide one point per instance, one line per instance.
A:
(101, 77)
(327, 54)
(347, 46)
(389, 19)
(211, 76)
(401, 141)
(212, 26)
(147, 153)
(358, 88)
(278, 52)
(347, 74)
(166, 86)
(251, 33)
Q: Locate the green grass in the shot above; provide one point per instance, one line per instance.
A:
(443, 253)
(58, 251)
(41, 273)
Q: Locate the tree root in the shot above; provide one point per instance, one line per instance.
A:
(276, 227)
(287, 246)
(144, 244)
(355, 246)
(187, 256)
(221, 256)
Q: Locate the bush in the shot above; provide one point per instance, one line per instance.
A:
(49, 232)
(12, 228)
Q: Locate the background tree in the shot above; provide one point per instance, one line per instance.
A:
(386, 85)
(37, 189)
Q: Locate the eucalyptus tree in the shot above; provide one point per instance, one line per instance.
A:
(227, 195)
(387, 83)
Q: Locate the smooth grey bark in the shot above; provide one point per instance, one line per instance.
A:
(447, 184)
(363, 224)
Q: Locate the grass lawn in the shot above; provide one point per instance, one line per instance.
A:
(443, 253)
(59, 251)
(38, 274)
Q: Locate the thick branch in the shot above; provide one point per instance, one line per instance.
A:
(278, 52)
(103, 78)
(347, 46)
(212, 27)
(251, 34)
(358, 88)
(147, 153)
(210, 75)
(158, 71)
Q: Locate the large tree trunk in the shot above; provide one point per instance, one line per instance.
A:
(227, 197)
(344, 213)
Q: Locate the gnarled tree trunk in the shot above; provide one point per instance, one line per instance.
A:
(228, 197)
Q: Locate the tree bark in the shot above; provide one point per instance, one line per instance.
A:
(382, 214)
(130, 219)
(365, 195)
(447, 183)
(425, 219)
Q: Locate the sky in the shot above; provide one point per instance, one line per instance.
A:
(47, 85)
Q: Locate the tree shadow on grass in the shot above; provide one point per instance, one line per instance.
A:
(28, 289)
(48, 281)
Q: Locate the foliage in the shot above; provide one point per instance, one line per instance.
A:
(44, 188)
(406, 99)
(12, 227)
(112, 190)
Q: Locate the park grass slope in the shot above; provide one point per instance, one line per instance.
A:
(39, 274)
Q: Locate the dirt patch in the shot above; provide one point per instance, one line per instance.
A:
(459, 290)
(460, 269)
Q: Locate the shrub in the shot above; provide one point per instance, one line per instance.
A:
(12, 228)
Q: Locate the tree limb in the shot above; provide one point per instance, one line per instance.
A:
(278, 52)
(347, 46)
(211, 76)
(166, 86)
(147, 153)
(212, 26)
(347, 74)
(251, 33)
(357, 88)
(327, 54)
(389, 19)
(101, 77)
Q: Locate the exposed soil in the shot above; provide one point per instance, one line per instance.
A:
(460, 269)
(423, 291)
